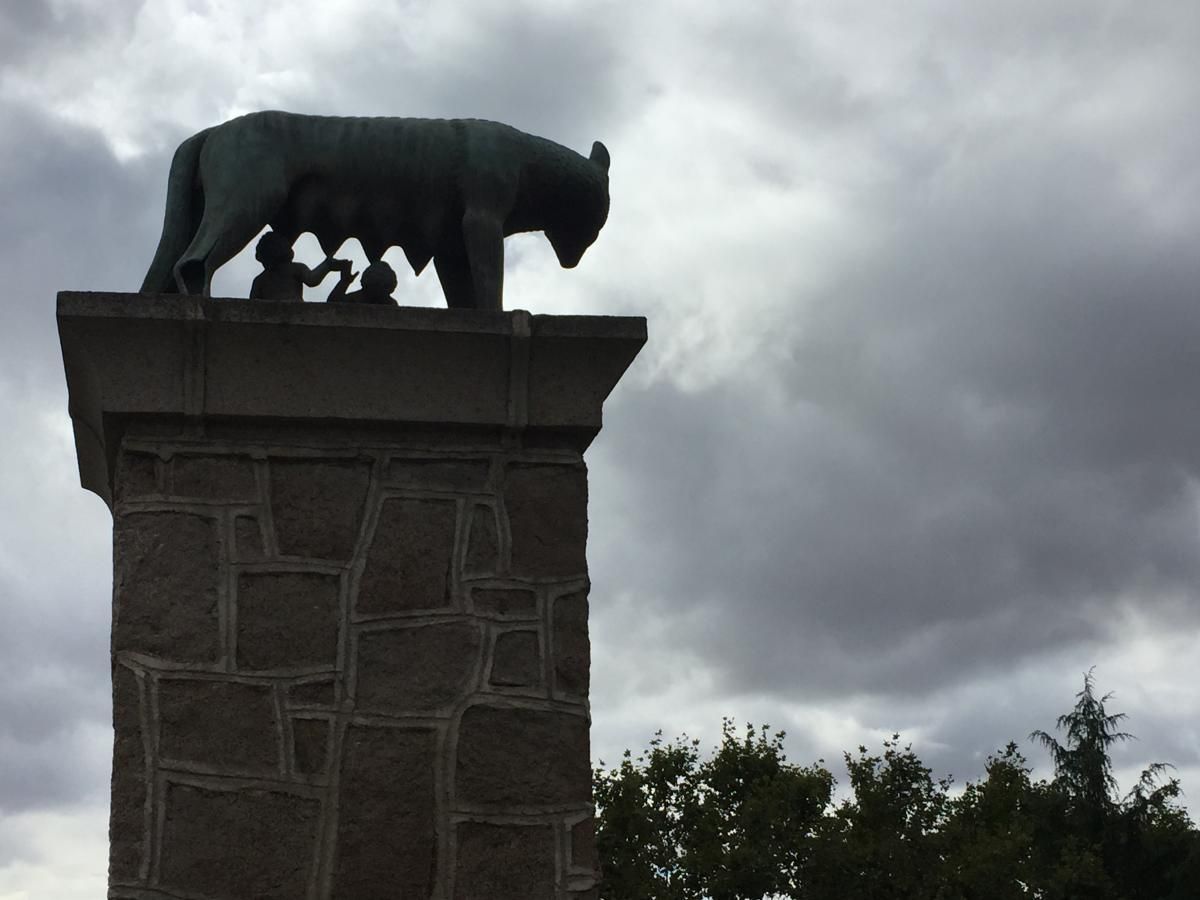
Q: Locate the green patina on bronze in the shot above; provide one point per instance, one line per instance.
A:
(449, 190)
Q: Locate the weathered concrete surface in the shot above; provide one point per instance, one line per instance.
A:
(350, 635)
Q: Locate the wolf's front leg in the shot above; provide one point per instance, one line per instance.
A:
(483, 235)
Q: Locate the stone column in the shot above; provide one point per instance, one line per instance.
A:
(350, 593)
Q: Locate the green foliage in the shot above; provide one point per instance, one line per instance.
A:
(744, 824)
(734, 826)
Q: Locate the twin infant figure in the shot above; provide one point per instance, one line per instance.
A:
(284, 279)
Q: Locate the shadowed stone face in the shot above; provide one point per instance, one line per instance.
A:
(547, 509)
(522, 758)
(166, 575)
(219, 724)
(386, 838)
(287, 620)
(408, 565)
(418, 669)
(505, 861)
(317, 506)
(238, 843)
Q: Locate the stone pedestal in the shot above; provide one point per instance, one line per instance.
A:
(350, 650)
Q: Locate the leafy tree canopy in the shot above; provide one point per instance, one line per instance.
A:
(743, 823)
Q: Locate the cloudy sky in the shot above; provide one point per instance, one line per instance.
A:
(914, 442)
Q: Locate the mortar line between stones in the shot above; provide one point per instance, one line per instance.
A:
(160, 822)
(145, 721)
(321, 887)
(561, 847)
(226, 602)
(441, 805)
(154, 781)
(283, 731)
(464, 515)
(262, 478)
(344, 686)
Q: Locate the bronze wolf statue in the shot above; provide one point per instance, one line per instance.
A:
(449, 190)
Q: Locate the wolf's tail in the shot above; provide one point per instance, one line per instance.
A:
(185, 206)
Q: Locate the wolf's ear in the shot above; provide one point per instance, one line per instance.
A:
(600, 156)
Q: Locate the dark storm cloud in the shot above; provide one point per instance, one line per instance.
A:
(73, 218)
(555, 72)
(979, 441)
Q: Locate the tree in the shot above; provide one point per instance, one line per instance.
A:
(734, 826)
(744, 824)
(1138, 843)
(881, 841)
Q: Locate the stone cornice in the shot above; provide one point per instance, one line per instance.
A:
(225, 361)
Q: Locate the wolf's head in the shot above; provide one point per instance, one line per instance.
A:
(581, 215)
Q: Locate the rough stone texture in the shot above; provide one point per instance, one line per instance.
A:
(287, 620)
(547, 511)
(408, 565)
(248, 539)
(572, 648)
(505, 862)
(439, 474)
(517, 659)
(386, 834)
(310, 745)
(416, 669)
(483, 545)
(317, 506)
(343, 646)
(312, 693)
(238, 843)
(218, 724)
(213, 478)
(583, 845)
(519, 757)
(504, 603)
(166, 576)
(137, 476)
(127, 825)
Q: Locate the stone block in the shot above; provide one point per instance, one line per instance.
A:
(238, 844)
(127, 824)
(504, 603)
(310, 746)
(547, 515)
(416, 669)
(214, 478)
(517, 758)
(572, 648)
(317, 693)
(517, 659)
(287, 620)
(504, 862)
(408, 564)
(483, 546)
(137, 476)
(386, 832)
(583, 845)
(248, 540)
(469, 475)
(224, 725)
(317, 506)
(166, 571)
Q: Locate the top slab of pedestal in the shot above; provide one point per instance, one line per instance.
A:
(141, 355)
